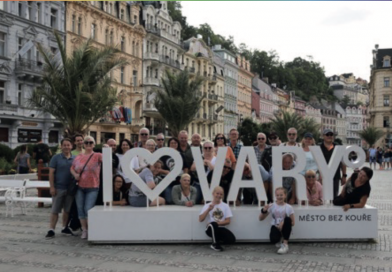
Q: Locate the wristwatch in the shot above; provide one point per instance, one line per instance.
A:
(345, 175)
(351, 206)
(263, 211)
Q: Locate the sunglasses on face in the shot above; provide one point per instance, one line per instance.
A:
(329, 134)
(143, 134)
(226, 167)
(159, 139)
(88, 143)
(220, 138)
(311, 176)
(273, 138)
(207, 148)
(291, 134)
(261, 139)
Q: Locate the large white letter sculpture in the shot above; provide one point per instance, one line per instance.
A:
(256, 182)
(151, 158)
(300, 164)
(107, 174)
(361, 156)
(201, 173)
(328, 171)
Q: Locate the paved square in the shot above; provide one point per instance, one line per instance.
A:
(24, 248)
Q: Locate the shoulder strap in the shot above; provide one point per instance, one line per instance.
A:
(80, 174)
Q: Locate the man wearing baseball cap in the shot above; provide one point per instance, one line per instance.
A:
(327, 147)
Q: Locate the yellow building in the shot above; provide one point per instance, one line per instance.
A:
(199, 61)
(380, 107)
(116, 24)
(244, 98)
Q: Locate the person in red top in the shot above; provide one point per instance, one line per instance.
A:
(86, 168)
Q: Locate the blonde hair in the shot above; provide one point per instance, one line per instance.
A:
(288, 155)
(218, 188)
(151, 141)
(208, 142)
(185, 176)
(310, 171)
(282, 189)
(303, 142)
(89, 138)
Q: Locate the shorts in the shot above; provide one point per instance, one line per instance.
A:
(372, 160)
(138, 201)
(62, 200)
(387, 159)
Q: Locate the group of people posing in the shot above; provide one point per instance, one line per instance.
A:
(84, 166)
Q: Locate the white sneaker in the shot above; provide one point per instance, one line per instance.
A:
(283, 249)
(278, 244)
(84, 234)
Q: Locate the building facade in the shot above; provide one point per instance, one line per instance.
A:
(209, 120)
(380, 107)
(22, 26)
(268, 105)
(231, 117)
(245, 76)
(356, 121)
(162, 50)
(114, 24)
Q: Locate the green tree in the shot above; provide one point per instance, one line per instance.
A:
(248, 131)
(371, 135)
(285, 120)
(345, 101)
(76, 89)
(179, 101)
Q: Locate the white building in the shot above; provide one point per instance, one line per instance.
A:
(22, 25)
(231, 89)
(162, 50)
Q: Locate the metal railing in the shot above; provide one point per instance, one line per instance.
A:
(9, 107)
(25, 65)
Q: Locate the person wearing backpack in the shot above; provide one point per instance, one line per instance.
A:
(22, 159)
(42, 152)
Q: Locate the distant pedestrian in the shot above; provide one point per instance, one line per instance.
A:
(22, 160)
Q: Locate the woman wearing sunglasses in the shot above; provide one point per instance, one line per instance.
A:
(220, 141)
(314, 189)
(86, 168)
(209, 160)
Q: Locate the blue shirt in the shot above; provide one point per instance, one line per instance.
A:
(62, 174)
(236, 149)
(372, 152)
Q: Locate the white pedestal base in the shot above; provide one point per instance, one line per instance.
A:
(175, 224)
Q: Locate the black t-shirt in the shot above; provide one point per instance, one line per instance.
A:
(117, 196)
(354, 194)
(327, 155)
(42, 152)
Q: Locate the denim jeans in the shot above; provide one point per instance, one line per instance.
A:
(85, 200)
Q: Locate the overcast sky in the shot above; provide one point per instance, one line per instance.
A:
(339, 35)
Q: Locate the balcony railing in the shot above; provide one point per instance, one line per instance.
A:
(191, 70)
(171, 62)
(149, 106)
(151, 81)
(212, 79)
(8, 107)
(151, 56)
(153, 29)
(213, 97)
(29, 66)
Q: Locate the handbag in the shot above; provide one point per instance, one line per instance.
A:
(73, 185)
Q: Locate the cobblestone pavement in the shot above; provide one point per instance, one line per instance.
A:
(24, 248)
